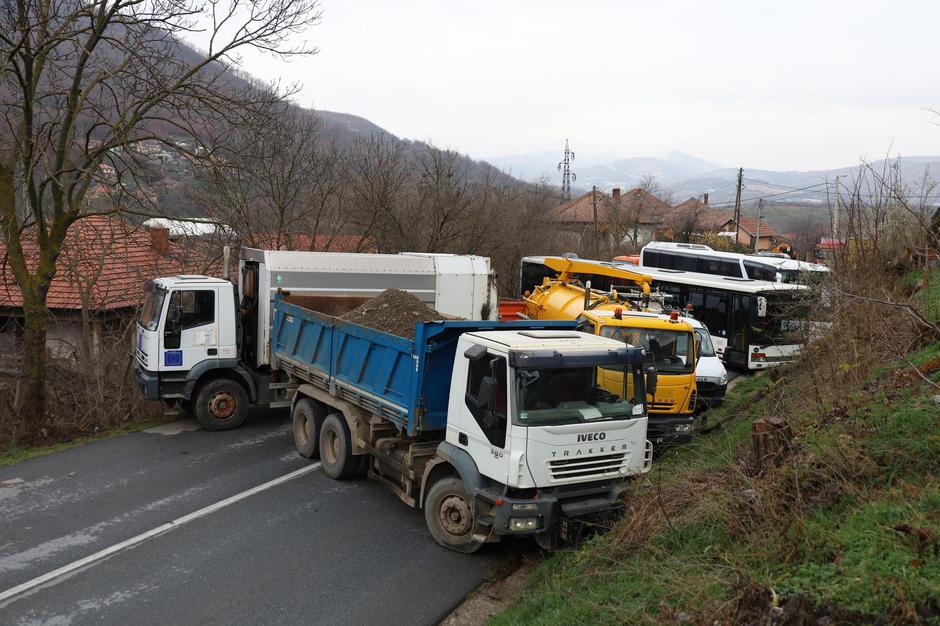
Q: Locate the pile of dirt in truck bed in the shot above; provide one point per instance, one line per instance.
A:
(393, 311)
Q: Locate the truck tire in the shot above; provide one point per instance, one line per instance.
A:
(307, 420)
(336, 448)
(448, 512)
(221, 404)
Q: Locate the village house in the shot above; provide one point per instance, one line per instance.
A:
(629, 218)
(751, 229)
(98, 286)
(692, 217)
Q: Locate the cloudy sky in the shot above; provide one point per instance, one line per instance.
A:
(783, 85)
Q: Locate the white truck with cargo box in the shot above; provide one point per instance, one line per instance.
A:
(204, 345)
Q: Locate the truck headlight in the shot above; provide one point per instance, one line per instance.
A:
(683, 428)
(525, 506)
(723, 379)
(523, 523)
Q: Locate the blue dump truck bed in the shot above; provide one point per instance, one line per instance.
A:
(405, 381)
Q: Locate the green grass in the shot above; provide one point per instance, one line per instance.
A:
(12, 454)
(823, 526)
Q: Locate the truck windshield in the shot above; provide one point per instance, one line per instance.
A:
(705, 347)
(574, 395)
(153, 306)
(670, 349)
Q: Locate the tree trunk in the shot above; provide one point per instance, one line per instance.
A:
(34, 356)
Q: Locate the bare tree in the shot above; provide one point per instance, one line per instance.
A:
(83, 81)
(288, 183)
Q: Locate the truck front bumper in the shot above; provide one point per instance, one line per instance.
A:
(710, 394)
(555, 510)
(665, 430)
(147, 383)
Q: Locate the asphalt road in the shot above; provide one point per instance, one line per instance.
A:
(307, 550)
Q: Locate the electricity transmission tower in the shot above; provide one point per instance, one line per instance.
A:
(567, 176)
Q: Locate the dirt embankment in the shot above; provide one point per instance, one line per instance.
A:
(393, 311)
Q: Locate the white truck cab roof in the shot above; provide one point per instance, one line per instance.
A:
(561, 340)
(189, 280)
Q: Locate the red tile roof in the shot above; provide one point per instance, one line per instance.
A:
(580, 210)
(749, 224)
(104, 261)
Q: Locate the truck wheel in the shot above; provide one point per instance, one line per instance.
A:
(221, 404)
(307, 419)
(336, 448)
(449, 515)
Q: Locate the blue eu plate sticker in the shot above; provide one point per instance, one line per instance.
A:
(173, 357)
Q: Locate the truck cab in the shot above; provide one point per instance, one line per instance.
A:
(187, 328)
(670, 347)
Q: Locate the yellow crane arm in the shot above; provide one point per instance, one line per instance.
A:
(567, 268)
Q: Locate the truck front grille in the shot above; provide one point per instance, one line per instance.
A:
(142, 357)
(661, 406)
(599, 467)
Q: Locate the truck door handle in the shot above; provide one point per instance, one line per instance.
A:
(212, 351)
(462, 439)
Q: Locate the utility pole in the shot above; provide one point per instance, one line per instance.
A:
(760, 216)
(838, 210)
(737, 207)
(567, 176)
(597, 241)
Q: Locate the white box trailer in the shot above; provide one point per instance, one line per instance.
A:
(455, 285)
(205, 345)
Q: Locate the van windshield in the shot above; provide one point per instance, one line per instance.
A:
(153, 306)
(574, 395)
(670, 350)
(704, 340)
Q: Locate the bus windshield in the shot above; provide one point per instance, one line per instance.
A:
(670, 350)
(574, 395)
(783, 323)
(153, 306)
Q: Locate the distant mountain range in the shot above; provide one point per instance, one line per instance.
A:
(686, 176)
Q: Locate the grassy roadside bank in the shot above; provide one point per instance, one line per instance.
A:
(845, 528)
(16, 453)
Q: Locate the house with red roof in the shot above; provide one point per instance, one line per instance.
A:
(99, 281)
(751, 230)
(630, 217)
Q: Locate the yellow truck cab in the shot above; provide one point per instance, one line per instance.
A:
(669, 342)
(670, 348)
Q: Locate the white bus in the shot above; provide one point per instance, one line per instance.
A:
(691, 257)
(754, 324)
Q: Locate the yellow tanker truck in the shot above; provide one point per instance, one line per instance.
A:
(669, 341)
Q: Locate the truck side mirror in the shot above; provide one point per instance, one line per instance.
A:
(487, 392)
(475, 352)
(761, 306)
(651, 378)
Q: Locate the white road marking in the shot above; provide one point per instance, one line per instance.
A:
(153, 532)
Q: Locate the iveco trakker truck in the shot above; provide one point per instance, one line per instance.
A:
(493, 428)
(204, 344)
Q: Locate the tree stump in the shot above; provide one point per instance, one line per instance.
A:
(770, 438)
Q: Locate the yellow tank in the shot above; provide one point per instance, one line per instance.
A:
(669, 342)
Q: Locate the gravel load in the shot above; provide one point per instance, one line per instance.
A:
(393, 311)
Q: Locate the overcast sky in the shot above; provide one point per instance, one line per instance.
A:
(782, 85)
